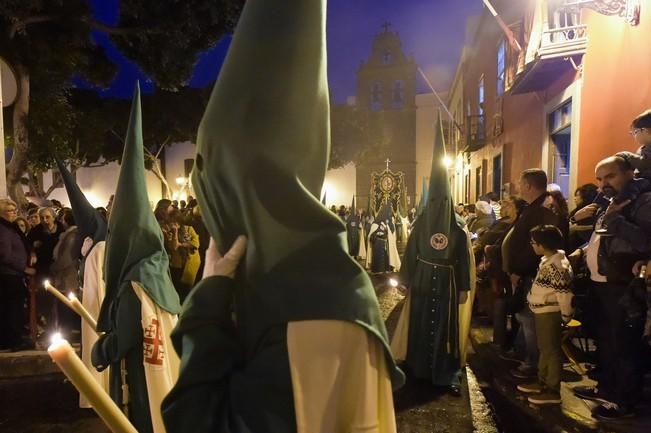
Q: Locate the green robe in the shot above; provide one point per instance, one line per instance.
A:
(221, 387)
(126, 343)
(434, 284)
(435, 269)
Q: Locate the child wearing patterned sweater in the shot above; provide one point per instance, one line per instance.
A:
(550, 299)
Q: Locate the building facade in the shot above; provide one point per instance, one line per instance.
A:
(559, 95)
(386, 92)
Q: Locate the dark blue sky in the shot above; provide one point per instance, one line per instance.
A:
(432, 30)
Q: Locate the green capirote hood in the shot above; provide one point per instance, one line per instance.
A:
(437, 221)
(134, 246)
(262, 153)
(89, 221)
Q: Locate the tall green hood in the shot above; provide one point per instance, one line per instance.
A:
(89, 221)
(134, 246)
(262, 152)
(423, 198)
(437, 220)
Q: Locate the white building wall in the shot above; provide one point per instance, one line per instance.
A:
(175, 156)
(99, 183)
(340, 185)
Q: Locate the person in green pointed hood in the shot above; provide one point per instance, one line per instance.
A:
(141, 304)
(354, 230)
(436, 273)
(92, 228)
(260, 351)
(89, 220)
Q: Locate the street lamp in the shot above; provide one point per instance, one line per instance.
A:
(447, 161)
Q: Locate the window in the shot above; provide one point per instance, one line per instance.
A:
(478, 183)
(560, 141)
(497, 175)
(398, 93)
(501, 67)
(376, 96)
(482, 96)
(386, 57)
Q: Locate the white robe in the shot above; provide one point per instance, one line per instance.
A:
(93, 292)
(160, 361)
(340, 379)
(465, 309)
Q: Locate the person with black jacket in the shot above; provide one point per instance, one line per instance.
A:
(14, 259)
(610, 256)
(521, 262)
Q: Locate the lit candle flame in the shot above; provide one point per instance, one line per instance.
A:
(72, 296)
(56, 338)
(47, 284)
(393, 282)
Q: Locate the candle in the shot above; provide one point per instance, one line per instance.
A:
(65, 357)
(53, 290)
(79, 309)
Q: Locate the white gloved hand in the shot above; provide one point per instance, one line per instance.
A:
(224, 266)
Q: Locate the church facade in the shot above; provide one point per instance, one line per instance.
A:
(386, 93)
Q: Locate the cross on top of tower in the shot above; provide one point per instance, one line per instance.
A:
(385, 26)
(387, 161)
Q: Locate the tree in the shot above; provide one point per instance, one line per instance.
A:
(47, 43)
(356, 135)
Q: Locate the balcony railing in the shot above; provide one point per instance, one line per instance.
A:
(475, 132)
(560, 36)
(563, 42)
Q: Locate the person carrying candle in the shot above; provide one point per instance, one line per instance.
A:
(141, 304)
(292, 340)
(92, 231)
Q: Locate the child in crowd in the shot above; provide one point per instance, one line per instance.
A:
(641, 161)
(550, 299)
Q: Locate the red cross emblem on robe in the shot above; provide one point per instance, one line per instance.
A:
(153, 350)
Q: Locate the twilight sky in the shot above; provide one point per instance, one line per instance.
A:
(431, 30)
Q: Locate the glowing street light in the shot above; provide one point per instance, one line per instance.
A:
(447, 161)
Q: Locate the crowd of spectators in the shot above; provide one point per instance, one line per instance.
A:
(44, 244)
(542, 267)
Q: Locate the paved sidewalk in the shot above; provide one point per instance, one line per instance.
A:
(514, 411)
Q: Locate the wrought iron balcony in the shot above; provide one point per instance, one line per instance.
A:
(563, 37)
(563, 42)
(475, 132)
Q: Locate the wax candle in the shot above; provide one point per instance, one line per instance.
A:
(65, 357)
(83, 312)
(53, 290)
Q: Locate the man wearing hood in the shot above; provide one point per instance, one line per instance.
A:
(293, 339)
(91, 226)
(383, 251)
(141, 304)
(436, 273)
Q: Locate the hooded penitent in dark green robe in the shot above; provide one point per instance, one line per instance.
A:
(379, 234)
(354, 230)
(435, 269)
(134, 252)
(262, 151)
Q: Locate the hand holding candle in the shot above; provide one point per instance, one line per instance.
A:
(65, 357)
